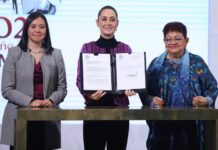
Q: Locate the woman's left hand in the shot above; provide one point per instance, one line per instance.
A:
(47, 103)
(199, 101)
(130, 93)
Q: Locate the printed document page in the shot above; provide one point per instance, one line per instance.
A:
(96, 72)
(130, 69)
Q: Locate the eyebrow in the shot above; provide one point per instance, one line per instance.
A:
(37, 24)
(178, 36)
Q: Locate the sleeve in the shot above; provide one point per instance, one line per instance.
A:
(145, 98)
(8, 86)
(59, 95)
(128, 48)
(207, 81)
(78, 79)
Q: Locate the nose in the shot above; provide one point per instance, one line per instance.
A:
(173, 41)
(108, 22)
(37, 29)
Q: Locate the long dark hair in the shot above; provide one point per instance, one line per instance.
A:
(24, 39)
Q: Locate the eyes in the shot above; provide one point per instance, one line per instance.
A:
(106, 19)
(176, 40)
(34, 26)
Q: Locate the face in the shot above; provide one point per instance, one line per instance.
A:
(36, 31)
(107, 23)
(175, 43)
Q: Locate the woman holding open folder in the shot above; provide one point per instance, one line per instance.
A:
(97, 134)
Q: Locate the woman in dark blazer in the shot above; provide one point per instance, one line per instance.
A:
(33, 76)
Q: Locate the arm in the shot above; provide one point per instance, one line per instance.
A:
(145, 98)
(91, 96)
(9, 78)
(58, 96)
(208, 85)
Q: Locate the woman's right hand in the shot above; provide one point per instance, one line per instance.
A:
(97, 95)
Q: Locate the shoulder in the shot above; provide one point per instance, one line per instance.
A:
(56, 51)
(120, 43)
(195, 56)
(14, 52)
(89, 46)
(57, 54)
(195, 59)
(153, 60)
(89, 43)
(124, 47)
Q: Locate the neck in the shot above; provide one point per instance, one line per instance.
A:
(173, 56)
(33, 45)
(34, 51)
(107, 43)
(107, 36)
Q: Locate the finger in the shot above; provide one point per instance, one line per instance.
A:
(130, 93)
(103, 94)
(45, 103)
(98, 93)
(126, 92)
(133, 92)
(100, 96)
(34, 105)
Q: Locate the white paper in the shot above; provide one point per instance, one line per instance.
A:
(130, 70)
(96, 72)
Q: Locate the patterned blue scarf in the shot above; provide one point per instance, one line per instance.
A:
(182, 81)
(183, 84)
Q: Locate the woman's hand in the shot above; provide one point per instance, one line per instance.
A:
(35, 103)
(130, 93)
(47, 103)
(199, 101)
(157, 101)
(97, 95)
(41, 103)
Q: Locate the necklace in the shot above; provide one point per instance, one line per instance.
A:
(35, 52)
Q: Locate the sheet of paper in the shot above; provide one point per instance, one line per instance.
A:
(96, 72)
(130, 70)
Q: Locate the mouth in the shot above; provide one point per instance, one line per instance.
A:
(37, 35)
(108, 28)
(173, 46)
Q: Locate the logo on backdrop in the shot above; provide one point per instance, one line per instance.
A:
(11, 28)
(29, 6)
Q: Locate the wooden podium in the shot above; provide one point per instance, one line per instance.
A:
(210, 115)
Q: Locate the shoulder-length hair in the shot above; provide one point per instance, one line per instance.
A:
(24, 39)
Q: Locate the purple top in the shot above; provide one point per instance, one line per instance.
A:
(38, 81)
(108, 99)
